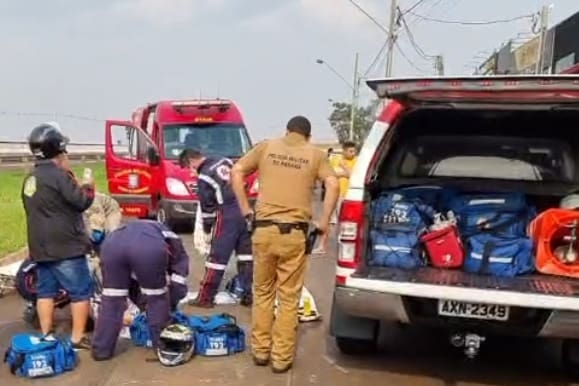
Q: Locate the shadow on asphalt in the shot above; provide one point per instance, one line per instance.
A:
(427, 353)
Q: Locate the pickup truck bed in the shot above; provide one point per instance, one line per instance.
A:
(530, 299)
(538, 284)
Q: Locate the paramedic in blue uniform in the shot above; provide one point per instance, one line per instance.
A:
(57, 240)
(155, 257)
(223, 225)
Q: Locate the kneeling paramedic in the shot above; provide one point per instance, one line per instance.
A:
(223, 225)
(57, 240)
(153, 255)
(288, 169)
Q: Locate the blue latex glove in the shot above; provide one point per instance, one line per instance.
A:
(97, 236)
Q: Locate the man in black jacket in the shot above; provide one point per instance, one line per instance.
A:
(57, 238)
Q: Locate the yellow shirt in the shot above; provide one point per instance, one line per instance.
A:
(336, 162)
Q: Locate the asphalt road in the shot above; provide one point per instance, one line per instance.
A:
(409, 357)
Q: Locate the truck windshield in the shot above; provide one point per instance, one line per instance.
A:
(213, 140)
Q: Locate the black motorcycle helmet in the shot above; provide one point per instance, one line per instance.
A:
(46, 141)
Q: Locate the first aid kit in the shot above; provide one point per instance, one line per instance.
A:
(501, 214)
(217, 335)
(482, 233)
(32, 355)
(443, 245)
(397, 224)
(494, 228)
(499, 256)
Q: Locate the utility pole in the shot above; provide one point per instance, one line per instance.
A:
(544, 20)
(439, 65)
(354, 105)
(391, 38)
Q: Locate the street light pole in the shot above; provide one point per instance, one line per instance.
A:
(354, 105)
(544, 20)
(391, 39)
(355, 91)
(320, 61)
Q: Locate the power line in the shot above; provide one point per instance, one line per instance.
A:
(412, 7)
(370, 17)
(408, 59)
(486, 22)
(417, 48)
(376, 58)
(428, 12)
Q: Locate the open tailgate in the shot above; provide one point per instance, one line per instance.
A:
(525, 89)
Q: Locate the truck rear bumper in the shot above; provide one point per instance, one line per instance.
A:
(180, 209)
(413, 302)
(536, 291)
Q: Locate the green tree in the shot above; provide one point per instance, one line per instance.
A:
(363, 120)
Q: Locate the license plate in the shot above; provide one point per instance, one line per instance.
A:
(473, 310)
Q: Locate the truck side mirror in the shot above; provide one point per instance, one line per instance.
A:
(153, 156)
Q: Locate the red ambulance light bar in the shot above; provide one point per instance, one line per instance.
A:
(556, 85)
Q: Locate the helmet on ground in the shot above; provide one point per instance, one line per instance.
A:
(25, 283)
(176, 345)
(46, 141)
(570, 202)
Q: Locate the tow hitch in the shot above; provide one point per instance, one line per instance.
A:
(471, 343)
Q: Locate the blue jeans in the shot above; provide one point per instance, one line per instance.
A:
(72, 275)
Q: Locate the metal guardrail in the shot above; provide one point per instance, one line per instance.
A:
(15, 152)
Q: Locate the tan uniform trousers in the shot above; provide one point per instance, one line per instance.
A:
(279, 268)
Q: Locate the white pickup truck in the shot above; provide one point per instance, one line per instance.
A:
(503, 133)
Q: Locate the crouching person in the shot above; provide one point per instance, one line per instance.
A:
(156, 258)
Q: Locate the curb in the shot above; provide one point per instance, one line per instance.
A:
(13, 257)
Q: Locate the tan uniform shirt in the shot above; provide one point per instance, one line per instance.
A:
(288, 169)
(104, 214)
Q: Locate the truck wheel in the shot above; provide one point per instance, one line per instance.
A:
(354, 335)
(570, 357)
(163, 217)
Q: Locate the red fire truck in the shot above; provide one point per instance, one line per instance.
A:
(142, 155)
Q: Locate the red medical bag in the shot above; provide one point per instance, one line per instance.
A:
(444, 248)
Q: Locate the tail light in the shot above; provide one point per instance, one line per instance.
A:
(350, 236)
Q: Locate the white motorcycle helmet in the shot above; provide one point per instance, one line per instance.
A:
(570, 202)
(176, 345)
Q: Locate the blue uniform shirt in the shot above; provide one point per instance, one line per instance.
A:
(214, 189)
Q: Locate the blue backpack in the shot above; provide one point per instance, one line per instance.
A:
(397, 223)
(139, 329)
(499, 256)
(494, 228)
(30, 355)
(502, 214)
(217, 335)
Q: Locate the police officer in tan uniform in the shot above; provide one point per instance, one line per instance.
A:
(288, 168)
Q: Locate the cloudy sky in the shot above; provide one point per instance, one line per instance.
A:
(101, 59)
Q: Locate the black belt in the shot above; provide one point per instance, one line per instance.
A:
(284, 227)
